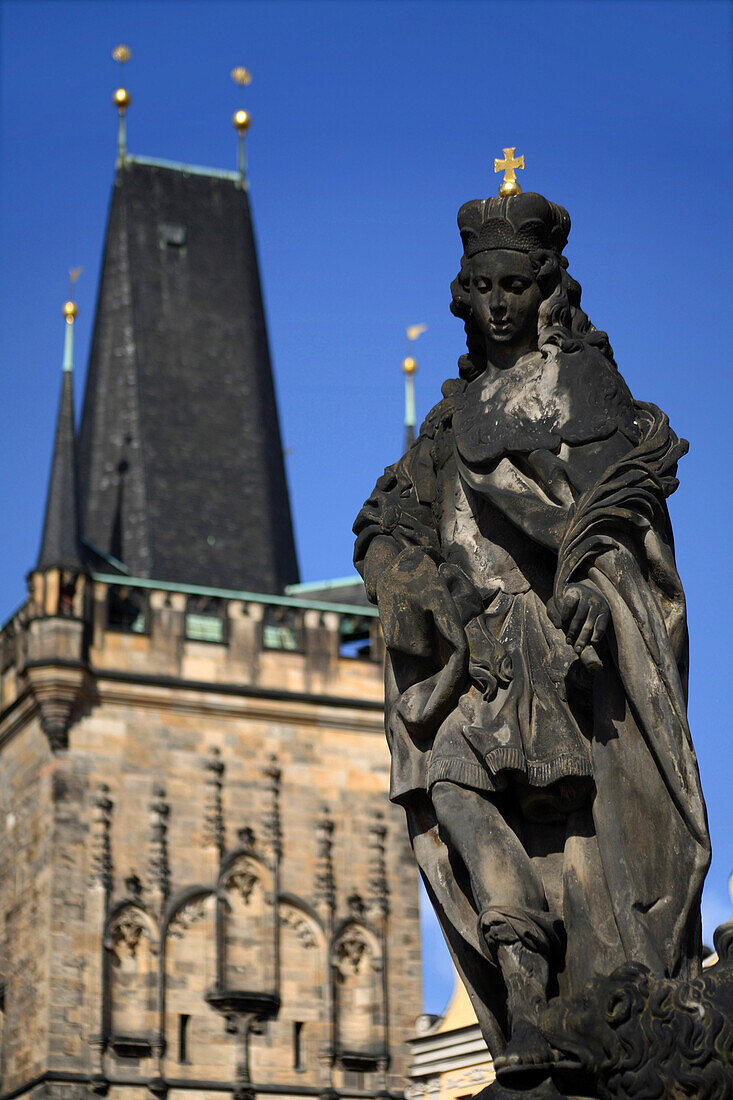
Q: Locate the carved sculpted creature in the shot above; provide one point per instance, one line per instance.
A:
(522, 560)
(634, 1034)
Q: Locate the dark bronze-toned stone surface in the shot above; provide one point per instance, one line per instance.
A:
(522, 559)
(633, 1034)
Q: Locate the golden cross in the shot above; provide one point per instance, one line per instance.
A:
(508, 166)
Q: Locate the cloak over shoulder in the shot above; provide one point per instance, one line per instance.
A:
(626, 744)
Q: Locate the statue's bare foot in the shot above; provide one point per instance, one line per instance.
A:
(528, 1055)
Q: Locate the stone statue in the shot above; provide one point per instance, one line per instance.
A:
(522, 559)
(634, 1034)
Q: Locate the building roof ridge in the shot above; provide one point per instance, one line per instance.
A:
(179, 166)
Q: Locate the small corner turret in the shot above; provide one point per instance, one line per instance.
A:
(54, 665)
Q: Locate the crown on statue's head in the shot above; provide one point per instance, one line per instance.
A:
(519, 223)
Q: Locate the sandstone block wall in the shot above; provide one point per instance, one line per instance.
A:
(154, 859)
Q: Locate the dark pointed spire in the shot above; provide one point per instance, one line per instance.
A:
(60, 547)
(181, 471)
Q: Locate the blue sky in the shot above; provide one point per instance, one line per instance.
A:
(372, 123)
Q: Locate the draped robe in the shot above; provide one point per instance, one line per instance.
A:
(519, 484)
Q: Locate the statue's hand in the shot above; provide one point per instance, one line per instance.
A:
(583, 614)
(418, 613)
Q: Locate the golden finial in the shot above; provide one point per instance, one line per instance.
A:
(409, 369)
(121, 99)
(70, 308)
(409, 365)
(241, 121)
(70, 313)
(509, 165)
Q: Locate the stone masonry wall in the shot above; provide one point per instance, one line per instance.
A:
(26, 873)
(143, 741)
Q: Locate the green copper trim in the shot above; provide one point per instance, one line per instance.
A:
(321, 586)
(233, 594)
(109, 558)
(121, 139)
(241, 163)
(190, 169)
(409, 401)
(68, 348)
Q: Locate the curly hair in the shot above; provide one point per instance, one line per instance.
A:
(561, 322)
(665, 1035)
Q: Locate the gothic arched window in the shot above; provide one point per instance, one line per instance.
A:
(132, 950)
(247, 927)
(356, 967)
(302, 1025)
(196, 1043)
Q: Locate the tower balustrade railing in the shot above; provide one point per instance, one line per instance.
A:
(149, 627)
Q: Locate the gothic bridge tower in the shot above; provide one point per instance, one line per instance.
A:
(203, 888)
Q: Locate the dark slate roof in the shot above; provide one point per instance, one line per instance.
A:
(181, 472)
(60, 540)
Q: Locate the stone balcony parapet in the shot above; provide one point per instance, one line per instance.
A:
(141, 629)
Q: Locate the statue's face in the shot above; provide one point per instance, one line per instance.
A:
(505, 299)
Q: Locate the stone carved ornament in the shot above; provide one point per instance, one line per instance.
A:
(245, 877)
(633, 1034)
(189, 914)
(291, 918)
(127, 930)
(478, 1076)
(355, 952)
(350, 952)
(431, 1087)
(243, 882)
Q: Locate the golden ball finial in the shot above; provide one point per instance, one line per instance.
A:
(409, 365)
(241, 76)
(70, 311)
(121, 53)
(241, 121)
(121, 99)
(509, 187)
